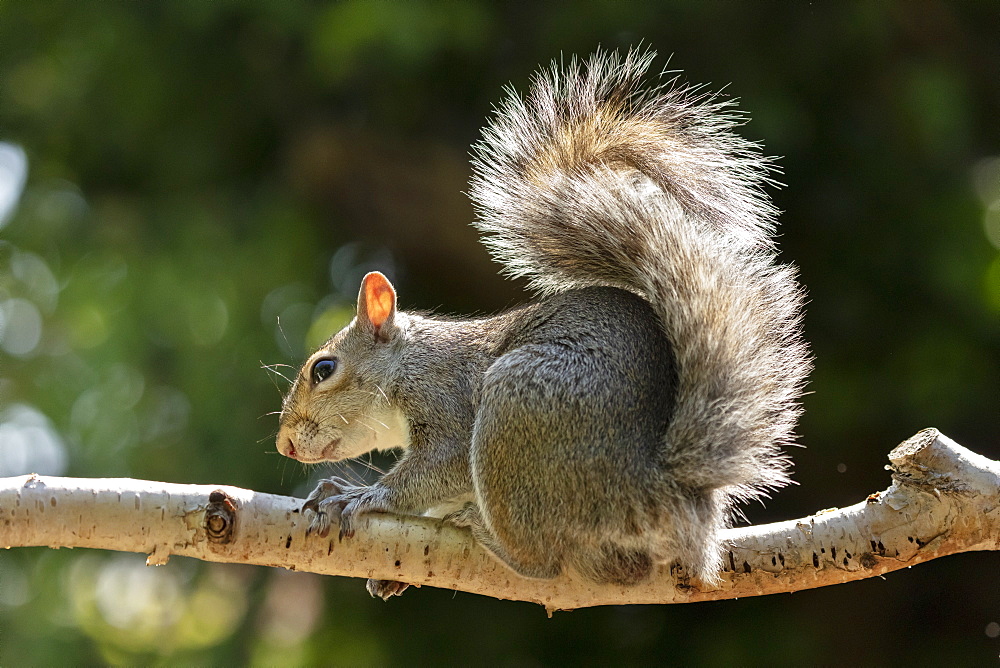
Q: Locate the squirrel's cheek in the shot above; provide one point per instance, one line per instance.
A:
(331, 452)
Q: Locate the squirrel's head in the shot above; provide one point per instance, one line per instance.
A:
(336, 408)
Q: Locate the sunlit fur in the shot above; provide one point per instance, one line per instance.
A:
(594, 179)
(600, 428)
(344, 416)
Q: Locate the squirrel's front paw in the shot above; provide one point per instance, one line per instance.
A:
(336, 500)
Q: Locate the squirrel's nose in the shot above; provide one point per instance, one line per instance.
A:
(286, 446)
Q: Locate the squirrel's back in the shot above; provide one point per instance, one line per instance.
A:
(595, 180)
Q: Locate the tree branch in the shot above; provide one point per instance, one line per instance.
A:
(943, 499)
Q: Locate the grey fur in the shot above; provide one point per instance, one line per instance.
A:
(614, 423)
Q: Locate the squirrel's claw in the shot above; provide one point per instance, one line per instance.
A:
(319, 526)
(385, 589)
(327, 512)
(335, 499)
(347, 521)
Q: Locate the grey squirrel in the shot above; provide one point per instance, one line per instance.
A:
(612, 424)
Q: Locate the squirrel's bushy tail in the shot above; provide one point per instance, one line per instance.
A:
(594, 179)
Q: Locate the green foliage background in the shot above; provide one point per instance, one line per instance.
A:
(200, 170)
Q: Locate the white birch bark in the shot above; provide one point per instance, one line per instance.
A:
(943, 499)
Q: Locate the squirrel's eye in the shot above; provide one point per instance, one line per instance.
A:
(323, 369)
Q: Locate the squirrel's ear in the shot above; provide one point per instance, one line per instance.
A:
(377, 304)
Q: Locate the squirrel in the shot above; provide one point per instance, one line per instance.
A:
(612, 424)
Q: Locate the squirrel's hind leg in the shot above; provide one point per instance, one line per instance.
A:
(543, 567)
(613, 564)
